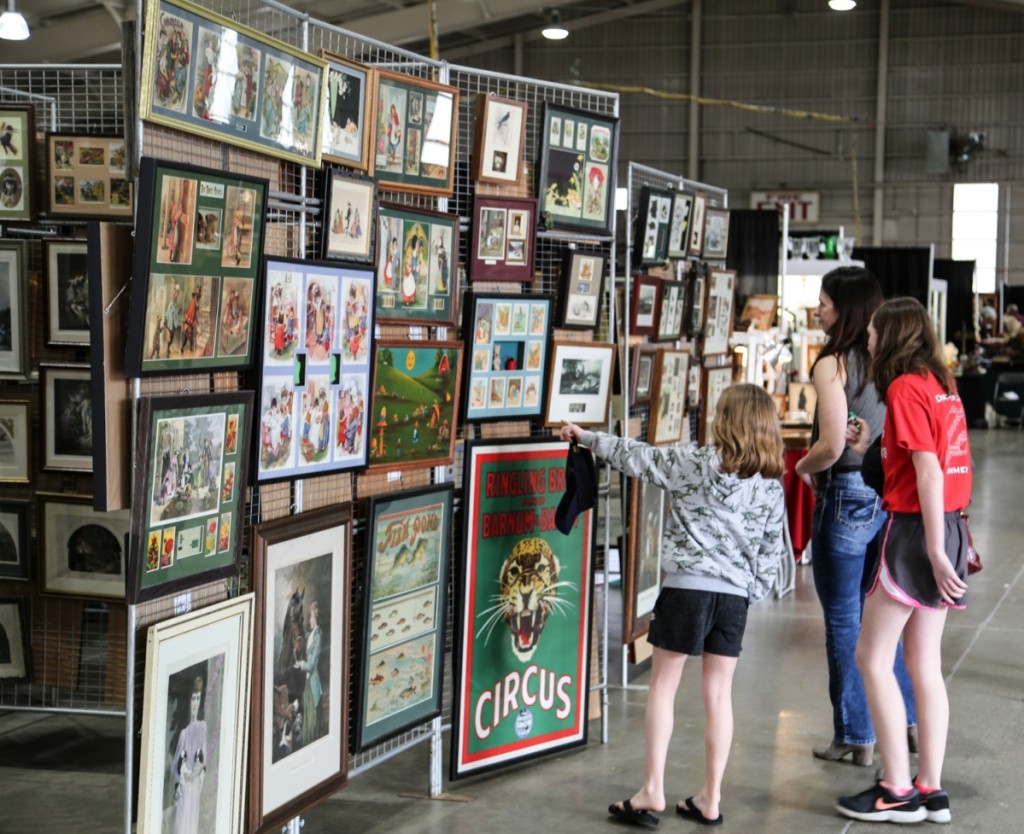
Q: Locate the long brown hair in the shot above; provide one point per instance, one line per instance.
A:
(905, 343)
(855, 294)
(747, 433)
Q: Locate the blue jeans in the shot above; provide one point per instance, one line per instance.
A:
(847, 518)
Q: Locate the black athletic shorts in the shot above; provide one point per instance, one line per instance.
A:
(693, 622)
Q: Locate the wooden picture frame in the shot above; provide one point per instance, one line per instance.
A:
(349, 94)
(716, 234)
(760, 310)
(718, 310)
(504, 239)
(700, 202)
(317, 346)
(15, 441)
(67, 292)
(668, 421)
(645, 304)
(580, 383)
(87, 177)
(196, 264)
(582, 289)
(67, 417)
(14, 625)
(195, 716)
(671, 311)
(802, 398)
(713, 382)
(18, 171)
(499, 140)
(416, 386)
(653, 226)
(203, 73)
(405, 602)
(187, 531)
(415, 134)
(349, 218)
(82, 553)
(576, 171)
(648, 505)
(14, 322)
(642, 377)
(14, 539)
(696, 289)
(679, 227)
(302, 576)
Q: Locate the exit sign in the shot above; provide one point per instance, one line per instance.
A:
(803, 205)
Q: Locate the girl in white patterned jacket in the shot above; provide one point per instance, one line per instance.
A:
(721, 551)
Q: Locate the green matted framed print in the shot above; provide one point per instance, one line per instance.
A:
(196, 269)
(87, 177)
(523, 618)
(190, 465)
(17, 163)
(204, 73)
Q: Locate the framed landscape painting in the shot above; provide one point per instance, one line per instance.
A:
(504, 235)
(348, 103)
(14, 518)
(349, 218)
(67, 417)
(87, 177)
(580, 385)
(499, 140)
(18, 165)
(582, 283)
(14, 342)
(67, 292)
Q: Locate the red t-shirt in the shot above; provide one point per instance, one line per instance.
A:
(921, 417)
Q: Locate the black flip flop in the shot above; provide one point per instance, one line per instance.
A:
(692, 812)
(634, 816)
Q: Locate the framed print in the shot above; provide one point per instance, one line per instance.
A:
(759, 310)
(196, 269)
(499, 140)
(416, 387)
(576, 171)
(668, 423)
(14, 538)
(716, 234)
(349, 219)
(509, 351)
(67, 292)
(643, 373)
(417, 251)
(582, 283)
(302, 568)
(670, 311)
(204, 73)
(718, 310)
(317, 345)
(523, 612)
(580, 385)
(504, 235)
(714, 381)
(16, 661)
(401, 671)
(679, 226)
(81, 552)
(646, 305)
(696, 283)
(87, 177)
(190, 478)
(653, 225)
(67, 417)
(348, 102)
(195, 716)
(803, 400)
(700, 201)
(642, 574)
(18, 168)
(15, 441)
(14, 343)
(414, 142)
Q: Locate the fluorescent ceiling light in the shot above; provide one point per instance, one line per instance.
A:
(12, 25)
(842, 5)
(555, 31)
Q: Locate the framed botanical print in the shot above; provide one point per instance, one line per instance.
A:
(415, 403)
(714, 382)
(204, 73)
(580, 385)
(302, 568)
(576, 171)
(417, 251)
(646, 305)
(582, 283)
(349, 218)
(317, 344)
(16, 662)
(67, 292)
(643, 373)
(81, 552)
(67, 417)
(716, 234)
(509, 345)
(190, 479)
(671, 311)
(720, 295)
(504, 234)
(499, 140)
(401, 671)
(642, 574)
(15, 441)
(700, 201)
(653, 226)
(679, 226)
(195, 717)
(196, 269)
(87, 177)
(348, 105)
(18, 168)
(668, 423)
(14, 539)
(14, 343)
(696, 282)
(415, 135)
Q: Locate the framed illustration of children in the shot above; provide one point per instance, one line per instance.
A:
(349, 216)
(504, 235)
(87, 176)
(499, 140)
(348, 101)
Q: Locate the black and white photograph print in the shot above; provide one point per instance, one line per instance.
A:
(67, 287)
(67, 417)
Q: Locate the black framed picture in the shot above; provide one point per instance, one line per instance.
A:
(67, 417)
(582, 282)
(13, 539)
(15, 649)
(653, 226)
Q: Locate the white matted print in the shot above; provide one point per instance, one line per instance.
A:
(579, 388)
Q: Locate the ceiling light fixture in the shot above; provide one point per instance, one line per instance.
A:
(555, 31)
(12, 24)
(842, 5)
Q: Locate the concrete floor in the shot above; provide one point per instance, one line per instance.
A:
(64, 773)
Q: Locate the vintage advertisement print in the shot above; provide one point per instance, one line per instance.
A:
(523, 633)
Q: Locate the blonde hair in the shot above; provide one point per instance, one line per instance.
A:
(747, 432)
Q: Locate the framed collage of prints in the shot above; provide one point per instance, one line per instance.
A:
(580, 383)
(582, 283)
(499, 140)
(18, 171)
(67, 292)
(14, 345)
(671, 311)
(348, 103)
(679, 227)
(653, 226)
(668, 422)
(87, 176)
(720, 296)
(504, 236)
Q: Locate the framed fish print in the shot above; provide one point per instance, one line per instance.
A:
(668, 423)
(700, 201)
(16, 662)
(576, 170)
(499, 140)
(720, 295)
(67, 417)
(196, 269)
(203, 73)
(679, 226)
(646, 305)
(415, 136)
(401, 671)
(195, 717)
(642, 575)
(643, 373)
(671, 311)
(504, 234)
(716, 234)
(582, 284)
(525, 593)
(416, 387)
(87, 177)
(653, 226)
(14, 342)
(17, 163)
(302, 569)
(348, 103)
(349, 218)
(580, 385)
(190, 479)
(14, 538)
(67, 292)
(509, 351)
(15, 441)
(417, 251)
(317, 344)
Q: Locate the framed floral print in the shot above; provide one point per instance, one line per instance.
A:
(504, 235)
(700, 201)
(14, 538)
(67, 417)
(679, 226)
(67, 292)
(721, 293)
(499, 140)
(671, 311)
(87, 177)
(646, 305)
(582, 283)
(15, 441)
(415, 135)
(577, 168)
(642, 575)
(716, 234)
(580, 385)
(348, 105)
(668, 423)
(653, 226)
(644, 357)
(14, 342)
(18, 166)
(349, 218)
(16, 663)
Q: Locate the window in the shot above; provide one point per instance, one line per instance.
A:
(975, 229)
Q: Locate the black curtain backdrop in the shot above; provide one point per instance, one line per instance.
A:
(901, 270)
(753, 252)
(959, 276)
